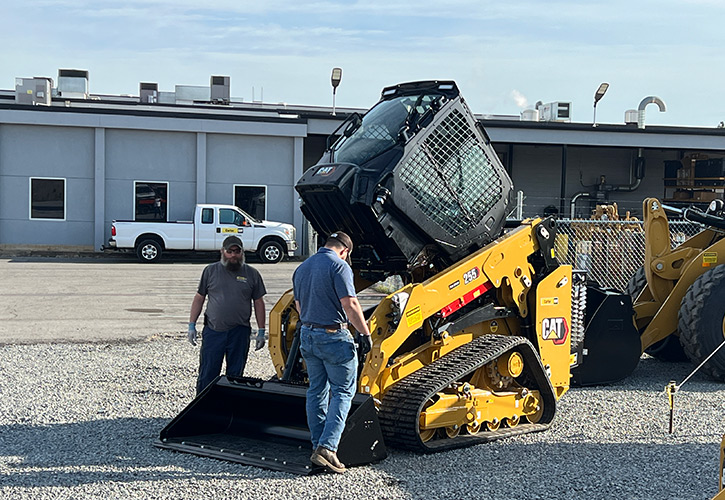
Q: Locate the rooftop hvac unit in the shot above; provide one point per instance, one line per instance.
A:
(33, 91)
(219, 89)
(167, 97)
(555, 112)
(73, 83)
(148, 93)
(188, 94)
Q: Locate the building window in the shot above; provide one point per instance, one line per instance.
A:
(47, 198)
(151, 200)
(252, 199)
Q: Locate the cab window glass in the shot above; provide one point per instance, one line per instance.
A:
(227, 216)
(207, 215)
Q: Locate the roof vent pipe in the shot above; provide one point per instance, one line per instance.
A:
(649, 100)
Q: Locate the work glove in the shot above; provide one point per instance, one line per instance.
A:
(366, 343)
(260, 338)
(192, 333)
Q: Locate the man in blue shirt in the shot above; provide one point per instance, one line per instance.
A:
(325, 298)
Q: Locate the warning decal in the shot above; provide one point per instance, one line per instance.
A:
(554, 329)
(709, 258)
(413, 316)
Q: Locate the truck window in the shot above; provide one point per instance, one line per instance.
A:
(207, 216)
(229, 216)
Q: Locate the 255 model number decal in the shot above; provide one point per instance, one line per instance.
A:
(471, 275)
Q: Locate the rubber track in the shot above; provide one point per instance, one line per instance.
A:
(402, 405)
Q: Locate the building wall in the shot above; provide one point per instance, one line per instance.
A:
(46, 151)
(257, 161)
(537, 172)
(100, 157)
(149, 155)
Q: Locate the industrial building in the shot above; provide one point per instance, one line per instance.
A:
(72, 161)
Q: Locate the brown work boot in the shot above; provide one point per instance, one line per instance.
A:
(326, 458)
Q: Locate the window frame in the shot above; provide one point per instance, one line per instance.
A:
(65, 198)
(133, 199)
(266, 203)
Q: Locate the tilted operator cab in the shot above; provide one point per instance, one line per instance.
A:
(415, 183)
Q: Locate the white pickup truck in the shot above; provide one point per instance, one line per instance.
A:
(211, 224)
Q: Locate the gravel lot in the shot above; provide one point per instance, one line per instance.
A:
(77, 420)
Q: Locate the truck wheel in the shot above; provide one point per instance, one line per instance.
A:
(148, 251)
(702, 321)
(271, 252)
(667, 349)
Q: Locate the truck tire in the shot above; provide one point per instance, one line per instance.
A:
(271, 252)
(667, 349)
(148, 251)
(702, 321)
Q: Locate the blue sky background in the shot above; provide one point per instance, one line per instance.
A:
(503, 55)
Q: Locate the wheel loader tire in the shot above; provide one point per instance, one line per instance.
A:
(702, 321)
(667, 349)
(636, 284)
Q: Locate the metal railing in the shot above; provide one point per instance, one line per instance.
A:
(610, 251)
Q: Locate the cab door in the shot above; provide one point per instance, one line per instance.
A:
(230, 222)
(205, 227)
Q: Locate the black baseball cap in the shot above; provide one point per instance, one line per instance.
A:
(231, 241)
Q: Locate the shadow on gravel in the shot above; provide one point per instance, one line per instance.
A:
(652, 374)
(508, 469)
(97, 451)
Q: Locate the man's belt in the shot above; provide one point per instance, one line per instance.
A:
(334, 327)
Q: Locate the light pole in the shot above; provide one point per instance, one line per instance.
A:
(597, 96)
(335, 80)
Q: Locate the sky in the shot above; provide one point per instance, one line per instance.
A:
(504, 55)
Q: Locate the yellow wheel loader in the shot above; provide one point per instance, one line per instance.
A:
(480, 341)
(679, 294)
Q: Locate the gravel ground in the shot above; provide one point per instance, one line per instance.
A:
(78, 421)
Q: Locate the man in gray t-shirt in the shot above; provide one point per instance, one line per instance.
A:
(232, 287)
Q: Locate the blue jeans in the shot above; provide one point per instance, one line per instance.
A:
(331, 360)
(234, 344)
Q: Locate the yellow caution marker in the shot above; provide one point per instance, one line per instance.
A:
(671, 389)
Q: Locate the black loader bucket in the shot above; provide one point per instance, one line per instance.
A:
(264, 423)
(612, 346)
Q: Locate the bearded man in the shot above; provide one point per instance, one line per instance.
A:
(232, 287)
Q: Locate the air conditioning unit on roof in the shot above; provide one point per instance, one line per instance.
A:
(220, 89)
(73, 83)
(35, 91)
(555, 112)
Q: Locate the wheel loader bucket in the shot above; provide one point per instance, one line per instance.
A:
(264, 423)
(612, 346)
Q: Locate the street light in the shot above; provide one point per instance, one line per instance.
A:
(335, 80)
(597, 96)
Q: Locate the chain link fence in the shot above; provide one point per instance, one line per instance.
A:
(610, 251)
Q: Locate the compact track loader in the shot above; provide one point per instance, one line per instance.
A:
(679, 294)
(480, 341)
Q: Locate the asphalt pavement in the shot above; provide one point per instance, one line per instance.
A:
(110, 298)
